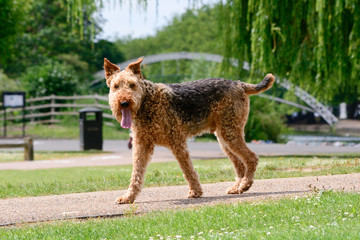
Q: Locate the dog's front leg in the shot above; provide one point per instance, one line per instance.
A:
(141, 157)
(182, 155)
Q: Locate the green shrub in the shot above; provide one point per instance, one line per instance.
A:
(7, 84)
(50, 78)
(264, 122)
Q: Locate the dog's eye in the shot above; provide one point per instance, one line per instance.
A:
(116, 86)
(132, 85)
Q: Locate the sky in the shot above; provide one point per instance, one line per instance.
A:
(122, 21)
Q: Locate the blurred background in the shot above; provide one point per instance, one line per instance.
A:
(53, 50)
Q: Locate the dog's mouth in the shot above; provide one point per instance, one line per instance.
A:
(126, 118)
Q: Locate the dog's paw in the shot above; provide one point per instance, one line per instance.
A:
(194, 193)
(124, 200)
(245, 185)
(233, 190)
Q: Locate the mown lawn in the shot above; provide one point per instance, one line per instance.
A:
(68, 129)
(20, 183)
(323, 215)
(13, 156)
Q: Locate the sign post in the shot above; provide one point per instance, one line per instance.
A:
(14, 100)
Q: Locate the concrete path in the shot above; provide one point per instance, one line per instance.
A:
(117, 146)
(120, 155)
(102, 204)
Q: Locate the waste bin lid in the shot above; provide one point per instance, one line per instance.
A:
(90, 109)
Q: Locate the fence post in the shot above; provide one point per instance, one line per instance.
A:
(52, 108)
(96, 97)
(74, 105)
(28, 149)
(31, 111)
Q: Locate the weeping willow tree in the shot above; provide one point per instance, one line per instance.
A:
(313, 43)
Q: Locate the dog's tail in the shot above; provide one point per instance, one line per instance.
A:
(264, 85)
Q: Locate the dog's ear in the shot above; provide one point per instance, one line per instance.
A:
(135, 67)
(110, 69)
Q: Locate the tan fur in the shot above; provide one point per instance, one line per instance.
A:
(155, 122)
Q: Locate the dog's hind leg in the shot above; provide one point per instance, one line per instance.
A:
(182, 155)
(239, 167)
(233, 139)
(141, 157)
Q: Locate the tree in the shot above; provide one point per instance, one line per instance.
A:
(315, 44)
(49, 38)
(11, 18)
(48, 35)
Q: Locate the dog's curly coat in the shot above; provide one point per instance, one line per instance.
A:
(168, 114)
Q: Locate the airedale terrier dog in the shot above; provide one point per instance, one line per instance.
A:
(168, 114)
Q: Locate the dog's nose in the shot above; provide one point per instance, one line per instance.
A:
(124, 104)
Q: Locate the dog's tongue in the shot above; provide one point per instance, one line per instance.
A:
(126, 118)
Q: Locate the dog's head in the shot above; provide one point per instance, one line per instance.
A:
(126, 90)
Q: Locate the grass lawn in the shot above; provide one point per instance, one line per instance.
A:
(12, 156)
(19, 183)
(323, 215)
(67, 129)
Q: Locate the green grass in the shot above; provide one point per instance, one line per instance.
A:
(12, 156)
(67, 129)
(324, 215)
(19, 183)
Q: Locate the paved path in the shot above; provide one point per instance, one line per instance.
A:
(101, 204)
(121, 146)
(120, 155)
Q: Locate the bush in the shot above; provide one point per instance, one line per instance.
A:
(265, 121)
(7, 84)
(50, 78)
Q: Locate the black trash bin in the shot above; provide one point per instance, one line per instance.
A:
(90, 129)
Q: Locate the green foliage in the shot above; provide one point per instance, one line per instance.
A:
(193, 31)
(12, 14)
(50, 78)
(7, 84)
(47, 35)
(315, 44)
(264, 122)
(109, 50)
(48, 38)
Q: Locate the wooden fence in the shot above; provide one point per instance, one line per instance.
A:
(46, 109)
